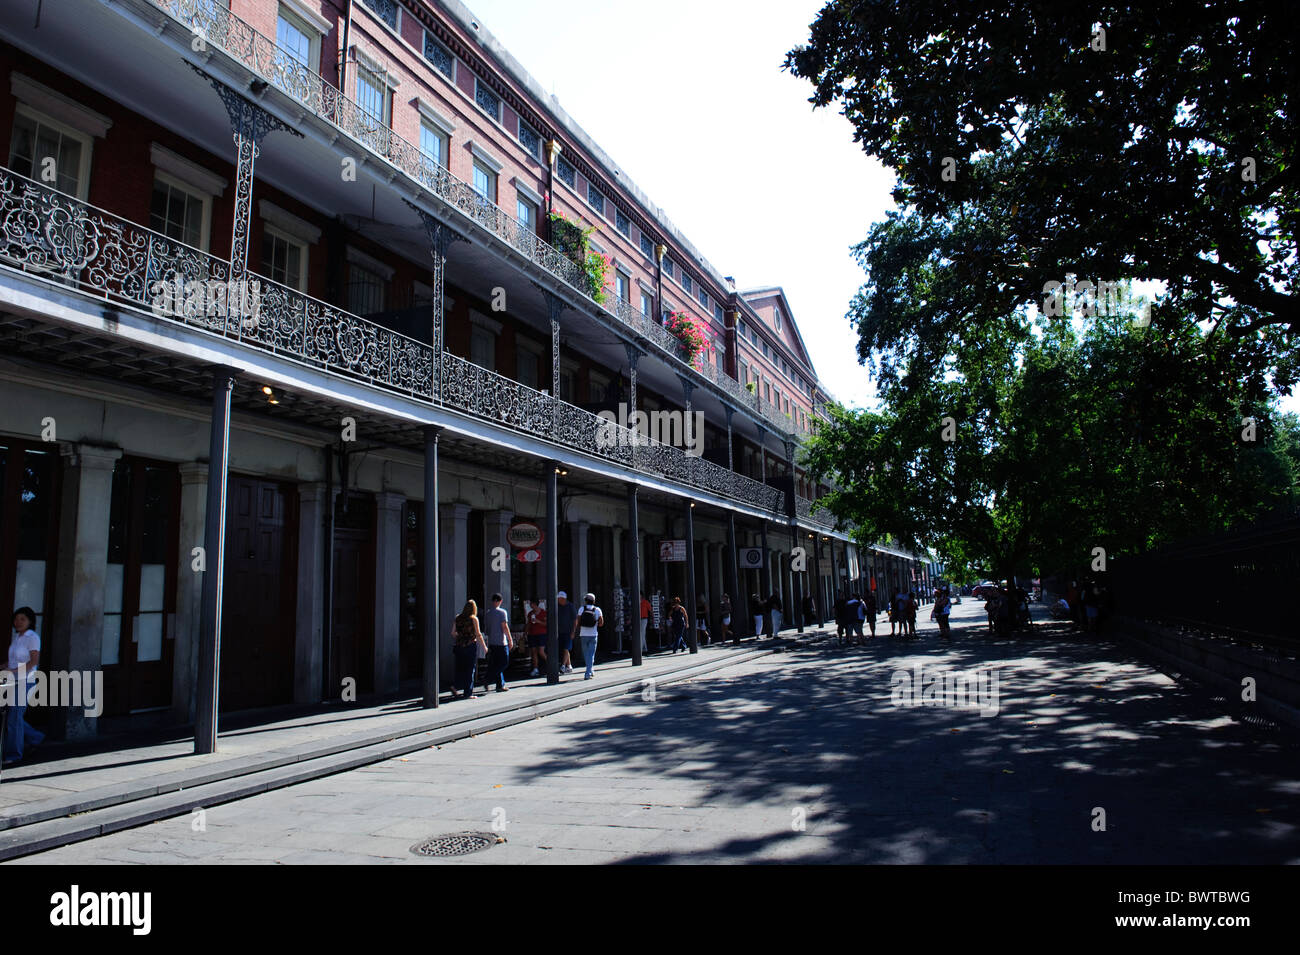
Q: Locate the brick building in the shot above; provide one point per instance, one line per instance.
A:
(322, 261)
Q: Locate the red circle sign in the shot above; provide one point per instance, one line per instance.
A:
(530, 556)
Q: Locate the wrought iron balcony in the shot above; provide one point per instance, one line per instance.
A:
(54, 236)
(804, 510)
(259, 53)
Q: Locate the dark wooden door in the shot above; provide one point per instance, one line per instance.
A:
(354, 587)
(257, 614)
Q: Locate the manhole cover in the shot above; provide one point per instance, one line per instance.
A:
(456, 844)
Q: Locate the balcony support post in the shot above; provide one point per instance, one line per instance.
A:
(731, 463)
(835, 575)
(432, 675)
(692, 607)
(551, 563)
(819, 598)
(739, 603)
(441, 238)
(634, 571)
(214, 546)
(249, 123)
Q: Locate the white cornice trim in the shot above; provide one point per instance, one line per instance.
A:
(491, 161)
(357, 257)
(526, 191)
(186, 171)
(286, 221)
(318, 22)
(57, 106)
(427, 110)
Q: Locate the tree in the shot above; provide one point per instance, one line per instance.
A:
(1148, 141)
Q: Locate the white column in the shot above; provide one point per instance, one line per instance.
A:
(580, 582)
(453, 554)
(388, 589)
(75, 631)
(308, 654)
(496, 524)
(189, 591)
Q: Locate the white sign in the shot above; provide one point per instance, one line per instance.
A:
(750, 558)
(670, 551)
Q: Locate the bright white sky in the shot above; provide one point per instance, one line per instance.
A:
(689, 98)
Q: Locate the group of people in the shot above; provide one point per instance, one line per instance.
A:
(492, 640)
(854, 610)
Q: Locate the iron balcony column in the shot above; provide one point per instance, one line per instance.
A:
(440, 241)
(816, 588)
(739, 603)
(551, 557)
(432, 675)
(208, 694)
(634, 570)
(692, 607)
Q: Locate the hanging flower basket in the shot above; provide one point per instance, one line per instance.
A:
(574, 242)
(689, 334)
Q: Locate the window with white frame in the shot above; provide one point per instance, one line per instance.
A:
(284, 259)
(372, 95)
(623, 285)
(434, 143)
(686, 282)
(179, 212)
(42, 148)
(647, 246)
(647, 303)
(485, 181)
(526, 213)
(296, 41)
(668, 267)
(595, 199)
(622, 223)
(704, 300)
(565, 172)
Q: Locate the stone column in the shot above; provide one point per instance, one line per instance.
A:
(496, 526)
(620, 581)
(388, 590)
(453, 586)
(580, 583)
(75, 630)
(308, 654)
(189, 591)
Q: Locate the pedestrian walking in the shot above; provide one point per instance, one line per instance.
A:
(942, 608)
(841, 618)
(756, 611)
(469, 647)
(810, 611)
(565, 616)
(776, 613)
(869, 608)
(911, 613)
(588, 625)
(677, 624)
(702, 637)
(24, 659)
(725, 629)
(645, 619)
(536, 632)
(499, 643)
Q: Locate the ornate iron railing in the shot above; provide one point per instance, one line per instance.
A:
(477, 391)
(215, 24)
(804, 510)
(55, 236)
(51, 234)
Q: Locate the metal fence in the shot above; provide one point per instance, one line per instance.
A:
(1241, 583)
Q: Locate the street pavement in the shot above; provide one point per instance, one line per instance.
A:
(1092, 757)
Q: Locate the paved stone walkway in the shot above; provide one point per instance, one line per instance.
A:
(802, 757)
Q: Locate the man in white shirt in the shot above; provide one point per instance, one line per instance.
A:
(587, 626)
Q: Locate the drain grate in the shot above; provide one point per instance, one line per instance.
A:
(455, 844)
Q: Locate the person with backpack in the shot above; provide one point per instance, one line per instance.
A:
(467, 650)
(587, 626)
(677, 623)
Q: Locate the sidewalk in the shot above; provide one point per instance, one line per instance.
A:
(84, 794)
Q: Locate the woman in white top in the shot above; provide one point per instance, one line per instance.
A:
(24, 657)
